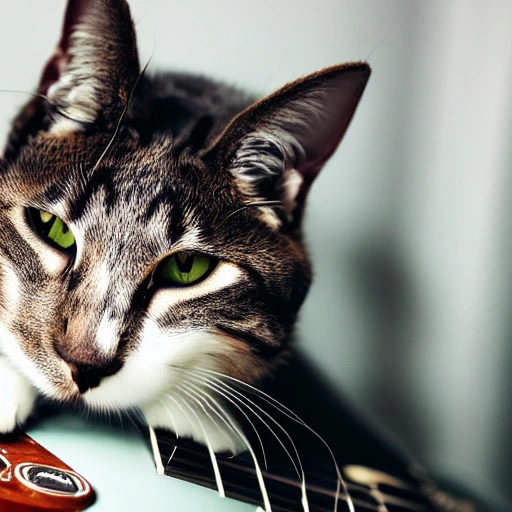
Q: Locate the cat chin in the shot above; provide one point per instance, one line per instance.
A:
(219, 432)
(17, 398)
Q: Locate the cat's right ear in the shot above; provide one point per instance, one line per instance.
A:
(275, 148)
(91, 74)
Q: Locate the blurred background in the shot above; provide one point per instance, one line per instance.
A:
(409, 225)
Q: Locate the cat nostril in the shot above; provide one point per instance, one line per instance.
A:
(88, 376)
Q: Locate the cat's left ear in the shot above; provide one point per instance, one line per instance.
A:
(89, 78)
(91, 74)
(276, 147)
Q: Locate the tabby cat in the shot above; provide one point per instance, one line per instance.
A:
(150, 228)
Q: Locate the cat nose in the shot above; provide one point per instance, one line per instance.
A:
(89, 376)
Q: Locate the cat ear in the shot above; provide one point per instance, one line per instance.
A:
(90, 76)
(276, 147)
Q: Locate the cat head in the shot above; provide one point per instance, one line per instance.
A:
(137, 250)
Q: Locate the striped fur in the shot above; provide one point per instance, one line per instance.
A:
(140, 168)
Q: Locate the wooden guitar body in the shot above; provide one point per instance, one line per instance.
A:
(33, 479)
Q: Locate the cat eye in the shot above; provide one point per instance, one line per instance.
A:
(185, 268)
(52, 229)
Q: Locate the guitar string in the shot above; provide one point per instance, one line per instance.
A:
(298, 469)
(248, 419)
(215, 465)
(174, 429)
(259, 474)
(294, 417)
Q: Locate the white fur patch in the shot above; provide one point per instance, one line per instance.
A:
(9, 344)
(10, 287)
(191, 238)
(17, 397)
(64, 126)
(151, 379)
(102, 280)
(107, 335)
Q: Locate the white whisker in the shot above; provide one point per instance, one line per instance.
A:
(294, 417)
(259, 475)
(175, 430)
(218, 479)
(298, 469)
(189, 374)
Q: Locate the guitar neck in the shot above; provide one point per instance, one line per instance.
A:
(374, 477)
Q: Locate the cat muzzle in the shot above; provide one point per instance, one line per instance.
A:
(88, 376)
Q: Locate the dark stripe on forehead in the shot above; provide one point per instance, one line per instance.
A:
(175, 224)
(98, 181)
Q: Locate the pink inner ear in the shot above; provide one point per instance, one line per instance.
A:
(334, 106)
(57, 64)
(95, 64)
(52, 71)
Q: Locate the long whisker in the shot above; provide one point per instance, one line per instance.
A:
(189, 374)
(294, 417)
(205, 402)
(250, 404)
(259, 474)
(175, 429)
(121, 117)
(171, 417)
(215, 465)
(49, 101)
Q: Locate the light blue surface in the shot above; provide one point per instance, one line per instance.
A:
(119, 465)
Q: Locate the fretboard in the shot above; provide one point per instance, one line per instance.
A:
(374, 477)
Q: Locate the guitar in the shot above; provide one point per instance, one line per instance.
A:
(33, 479)
(314, 455)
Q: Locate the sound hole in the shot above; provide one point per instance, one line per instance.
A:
(50, 480)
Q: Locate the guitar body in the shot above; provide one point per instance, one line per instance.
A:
(120, 465)
(33, 479)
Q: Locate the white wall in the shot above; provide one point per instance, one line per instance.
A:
(408, 224)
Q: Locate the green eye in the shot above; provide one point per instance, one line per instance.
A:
(185, 268)
(52, 228)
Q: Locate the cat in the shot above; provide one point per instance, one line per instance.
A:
(150, 228)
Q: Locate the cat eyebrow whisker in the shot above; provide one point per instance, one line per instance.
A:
(121, 117)
(249, 204)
